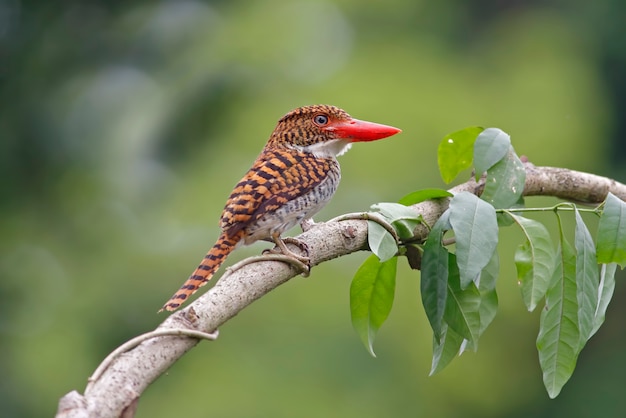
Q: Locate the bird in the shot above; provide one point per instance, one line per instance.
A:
(292, 179)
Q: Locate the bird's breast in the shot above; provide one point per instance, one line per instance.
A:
(303, 195)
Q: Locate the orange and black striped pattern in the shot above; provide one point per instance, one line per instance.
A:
(203, 273)
(280, 190)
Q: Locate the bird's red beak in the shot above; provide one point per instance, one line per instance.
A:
(360, 130)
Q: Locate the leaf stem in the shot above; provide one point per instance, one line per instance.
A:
(564, 207)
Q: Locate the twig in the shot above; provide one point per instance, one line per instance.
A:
(130, 344)
(369, 216)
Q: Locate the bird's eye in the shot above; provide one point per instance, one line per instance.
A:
(320, 120)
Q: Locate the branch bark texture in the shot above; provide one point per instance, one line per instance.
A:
(115, 391)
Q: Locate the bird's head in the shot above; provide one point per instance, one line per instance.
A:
(325, 130)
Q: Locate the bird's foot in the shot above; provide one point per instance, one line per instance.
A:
(282, 249)
(303, 262)
(300, 244)
(270, 255)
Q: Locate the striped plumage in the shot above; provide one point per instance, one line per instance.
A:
(295, 175)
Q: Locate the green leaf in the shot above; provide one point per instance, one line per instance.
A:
(611, 239)
(490, 147)
(371, 297)
(476, 231)
(380, 241)
(505, 182)
(605, 292)
(587, 279)
(455, 152)
(462, 305)
(534, 260)
(488, 295)
(559, 338)
(504, 219)
(445, 349)
(434, 277)
(405, 227)
(394, 211)
(403, 218)
(423, 195)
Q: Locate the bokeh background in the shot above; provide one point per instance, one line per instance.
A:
(124, 126)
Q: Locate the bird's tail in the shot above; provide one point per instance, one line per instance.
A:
(203, 273)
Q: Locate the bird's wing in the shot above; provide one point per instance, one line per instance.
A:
(275, 178)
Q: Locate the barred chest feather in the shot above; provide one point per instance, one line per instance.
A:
(297, 209)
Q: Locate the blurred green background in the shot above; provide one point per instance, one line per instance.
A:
(124, 126)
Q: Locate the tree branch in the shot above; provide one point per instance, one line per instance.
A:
(114, 391)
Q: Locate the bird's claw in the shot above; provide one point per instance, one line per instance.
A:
(289, 253)
(301, 245)
(303, 263)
